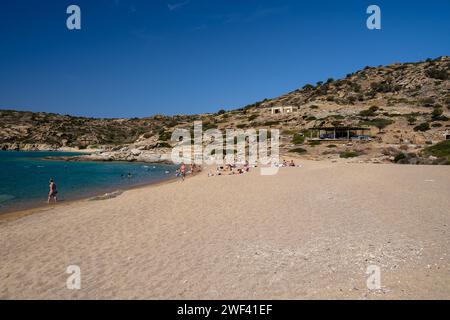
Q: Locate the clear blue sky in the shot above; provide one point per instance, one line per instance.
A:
(137, 58)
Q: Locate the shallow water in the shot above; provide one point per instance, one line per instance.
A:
(24, 178)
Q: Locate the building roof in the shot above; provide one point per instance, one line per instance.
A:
(340, 128)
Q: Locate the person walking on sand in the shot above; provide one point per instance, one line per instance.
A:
(183, 171)
(52, 195)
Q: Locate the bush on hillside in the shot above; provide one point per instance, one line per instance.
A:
(436, 73)
(422, 127)
(440, 150)
(348, 154)
(369, 112)
(298, 139)
(298, 150)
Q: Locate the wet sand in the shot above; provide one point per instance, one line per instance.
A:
(305, 233)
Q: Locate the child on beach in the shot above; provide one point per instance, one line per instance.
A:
(53, 192)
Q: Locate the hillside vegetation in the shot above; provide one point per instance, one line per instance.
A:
(406, 105)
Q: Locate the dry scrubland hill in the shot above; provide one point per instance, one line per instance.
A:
(406, 105)
(28, 130)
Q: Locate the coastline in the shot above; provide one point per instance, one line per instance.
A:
(72, 191)
(20, 213)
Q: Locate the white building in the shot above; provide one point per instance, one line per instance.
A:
(281, 110)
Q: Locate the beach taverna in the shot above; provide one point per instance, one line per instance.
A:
(340, 133)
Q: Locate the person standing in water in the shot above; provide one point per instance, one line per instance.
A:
(52, 195)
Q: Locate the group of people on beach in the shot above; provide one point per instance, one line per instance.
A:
(182, 171)
(230, 169)
(287, 164)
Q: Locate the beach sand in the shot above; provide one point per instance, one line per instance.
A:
(305, 233)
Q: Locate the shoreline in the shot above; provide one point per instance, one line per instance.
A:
(15, 214)
(34, 208)
(32, 205)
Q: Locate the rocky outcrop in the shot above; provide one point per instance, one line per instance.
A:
(27, 147)
(133, 155)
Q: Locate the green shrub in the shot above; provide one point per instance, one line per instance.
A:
(380, 123)
(314, 143)
(164, 135)
(208, 126)
(422, 127)
(163, 145)
(447, 102)
(427, 102)
(298, 150)
(348, 154)
(436, 112)
(411, 120)
(172, 123)
(253, 117)
(441, 118)
(399, 157)
(440, 150)
(331, 146)
(298, 139)
(221, 112)
(382, 87)
(436, 73)
(271, 123)
(369, 112)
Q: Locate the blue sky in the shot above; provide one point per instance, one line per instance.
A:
(136, 58)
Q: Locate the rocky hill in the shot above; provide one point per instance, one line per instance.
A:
(46, 131)
(406, 105)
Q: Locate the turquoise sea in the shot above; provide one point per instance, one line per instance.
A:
(24, 178)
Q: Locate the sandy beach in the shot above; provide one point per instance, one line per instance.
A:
(305, 233)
